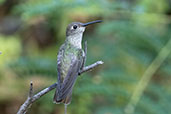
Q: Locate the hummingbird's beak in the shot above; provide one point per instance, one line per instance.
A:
(92, 22)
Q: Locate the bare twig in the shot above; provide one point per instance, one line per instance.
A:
(91, 67)
(32, 98)
(31, 90)
(43, 92)
(23, 109)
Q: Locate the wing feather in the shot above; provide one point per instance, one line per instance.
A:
(59, 65)
(65, 85)
(71, 77)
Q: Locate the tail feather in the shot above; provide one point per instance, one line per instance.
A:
(66, 100)
(56, 98)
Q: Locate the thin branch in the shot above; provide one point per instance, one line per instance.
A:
(23, 109)
(31, 90)
(91, 67)
(32, 98)
(43, 92)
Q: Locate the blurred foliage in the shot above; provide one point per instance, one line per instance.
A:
(131, 36)
(11, 49)
(1, 1)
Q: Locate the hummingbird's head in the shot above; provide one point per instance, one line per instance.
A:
(75, 31)
(77, 28)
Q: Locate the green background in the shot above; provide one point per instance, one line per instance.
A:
(134, 41)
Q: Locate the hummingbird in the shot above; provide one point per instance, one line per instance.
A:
(70, 60)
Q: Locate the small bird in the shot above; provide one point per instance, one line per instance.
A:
(70, 61)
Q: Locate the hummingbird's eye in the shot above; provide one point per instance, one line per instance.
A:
(75, 27)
